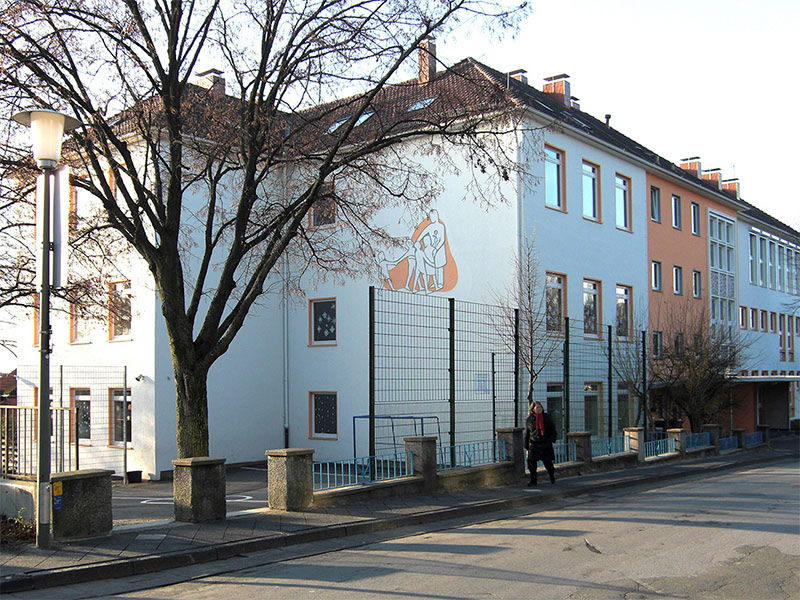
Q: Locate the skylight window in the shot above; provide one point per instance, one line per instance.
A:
(420, 104)
(364, 117)
(338, 123)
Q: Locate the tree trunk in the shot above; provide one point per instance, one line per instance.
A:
(192, 410)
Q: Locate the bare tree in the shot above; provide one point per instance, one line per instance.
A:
(530, 320)
(696, 365)
(210, 189)
(631, 363)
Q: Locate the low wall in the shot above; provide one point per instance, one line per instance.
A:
(17, 499)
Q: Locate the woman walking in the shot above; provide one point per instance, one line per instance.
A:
(540, 433)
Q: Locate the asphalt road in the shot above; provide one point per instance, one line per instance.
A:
(731, 536)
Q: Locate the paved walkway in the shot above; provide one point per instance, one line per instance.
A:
(134, 550)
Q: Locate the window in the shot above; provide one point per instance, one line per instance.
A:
(658, 344)
(763, 319)
(677, 280)
(773, 322)
(338, 123)
(695, 218)
(592, 419)
(419, 104)
(323, 408)
(781, 262)
(364, 117)
(655, 279)
(754, 319)
(790, 339)
(676, 212)
(623, 311)
(78, 326)
(743, 317)
(773, 249)
(762, 261)
(782, 337)
(753, 259)
(554, 178)
(591, 307)
(322, 325)
(119, 310)
(697, 284)
(80, 399)
(623, 201)
(679, 344)
(722, 271)
(591, 188)
(120, 415)
(555, 406)
(323, 211)
(555, 301)
(655, 204)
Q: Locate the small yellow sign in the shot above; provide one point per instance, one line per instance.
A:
(57, 488)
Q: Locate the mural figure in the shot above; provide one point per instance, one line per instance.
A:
(425, 265)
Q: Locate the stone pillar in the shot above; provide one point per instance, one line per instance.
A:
(679, 435)
(199, 489)
(583, 446)
(81, 504)
(423, 450)
(635, 437)
(740, 436)
(290, 485)
(512, 438)
(714, 430)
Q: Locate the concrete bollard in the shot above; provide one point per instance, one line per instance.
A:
(199, 489)
(714, 430)
(423, 450)
(512, 438)
(765, 429)
(679, 435)
(740, 436)
(583, 446)
(290, 485)
(635, 437)
(81, 504)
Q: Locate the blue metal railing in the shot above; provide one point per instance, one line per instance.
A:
(365, 469)
(565, 452)
(698, 440)
(612, 445)
(730, 442)
(470, 454)
(751, 439)
(657, 447)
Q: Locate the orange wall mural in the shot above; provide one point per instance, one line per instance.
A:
(426, 265)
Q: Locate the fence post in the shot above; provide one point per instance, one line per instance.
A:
(512, 438)
(679, 435)
(423, 452)
(740, 437)
(610, 381)
(516, 367)
(566, 376)
(643, 403)
(765, 430)
(452, 362)
(714, 431)
(635, 438)
(371, 376)
(290, 485)
(583, 446)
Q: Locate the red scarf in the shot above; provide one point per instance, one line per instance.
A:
(539, 422)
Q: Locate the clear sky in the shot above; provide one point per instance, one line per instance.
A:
(718, 79)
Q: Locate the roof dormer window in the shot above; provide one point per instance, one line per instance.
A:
(420, 104)
(338, 123)
(364, 117)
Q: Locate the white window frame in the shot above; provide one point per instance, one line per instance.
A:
(113, 394)
(558, 162)
(695, 207)
(593, 175)
(555, 281)
(656, 276)
(677, 219)
(697, 284)
(655, 204)
(677, 280)
(592, 290)
(315, 321)
(122, 290)
(312, 416)
(622, 199)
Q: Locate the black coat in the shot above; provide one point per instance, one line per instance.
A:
(534, 436)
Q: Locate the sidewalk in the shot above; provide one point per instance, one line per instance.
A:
(135, 550)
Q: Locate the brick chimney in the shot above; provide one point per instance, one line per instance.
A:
(212, 80)
(714, 176)
(692, 165)
(427, 60)
(731, 187)
(519, 75)
(557, 87)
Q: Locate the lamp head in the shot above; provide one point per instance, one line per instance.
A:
(47, 131)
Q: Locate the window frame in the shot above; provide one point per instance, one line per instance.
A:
(562, 288)
(73, 429)
(677, 280)
(327, 193)
(658, 344)
(313, 434)
(655, 204)
(312, 302)
(595, 178)
(743, 317)
(112, 420)
(595, 292)
(695, 216)
(78, 333)
(656, 276)
(697, 283)
(627, 205)
(626, 297)
(113, 317)
(561, 185)
(677, 217)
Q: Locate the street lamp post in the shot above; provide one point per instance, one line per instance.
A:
(47, 131)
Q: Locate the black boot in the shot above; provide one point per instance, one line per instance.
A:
(552, 478)
(532, 483)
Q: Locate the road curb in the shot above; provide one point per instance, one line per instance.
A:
(139, 565)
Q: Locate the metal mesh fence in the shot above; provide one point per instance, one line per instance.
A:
(91, 421)
(447, 368)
